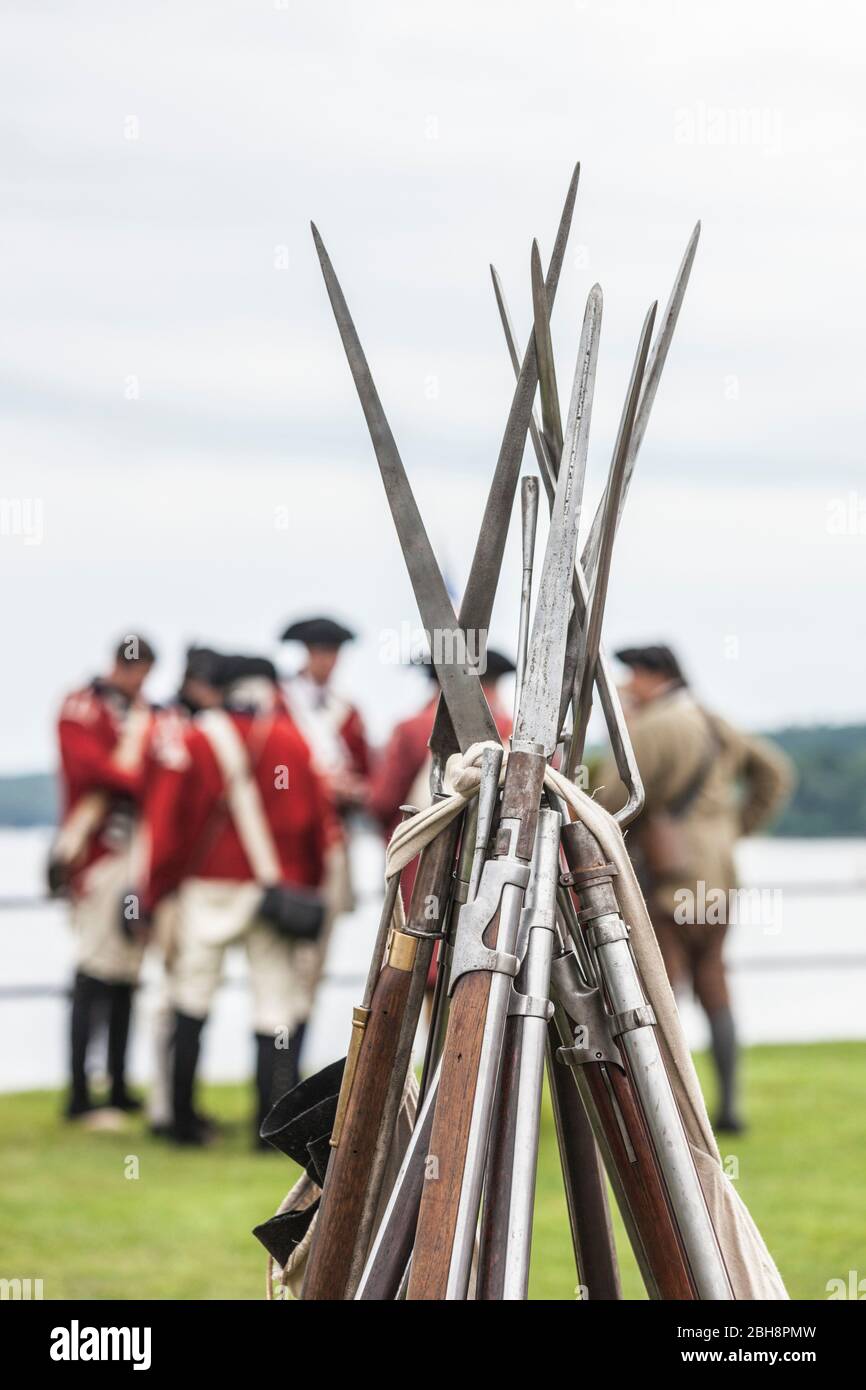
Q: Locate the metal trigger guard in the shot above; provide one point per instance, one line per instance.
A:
(470, 952)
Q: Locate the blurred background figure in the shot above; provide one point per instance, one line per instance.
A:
(332, 727)
(198, 690)
(242, 828)
(330, 723)
(402, 773)
(706, 785)
(104, 733)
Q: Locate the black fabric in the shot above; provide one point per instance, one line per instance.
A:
(320, 1151)
(309, 1128)
(284, 1232)
(119, 1016)
(89, 998)
(287, 1065)
(201, 664)
(296, 913)
(185, 1048)
(723, 1041)
(317, 632)
(657, 658)
(229, 669)
(305, 1113)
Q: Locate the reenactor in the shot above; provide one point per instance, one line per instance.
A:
(402, 773)
(706, 785)
(197, 691)
(245, 829)
(334, 732)
(104, 733)
(330, 724)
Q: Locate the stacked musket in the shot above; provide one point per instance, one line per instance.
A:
(535, 962)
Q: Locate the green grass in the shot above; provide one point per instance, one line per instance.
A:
(70, 1216)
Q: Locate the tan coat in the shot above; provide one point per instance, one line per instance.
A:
(748, 782)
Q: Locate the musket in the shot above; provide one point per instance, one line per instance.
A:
(507, 1223)
(605, 1089)
(484, 960)
(462, 718)
(634, 1036)
(626, 762)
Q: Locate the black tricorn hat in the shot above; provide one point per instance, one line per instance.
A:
(201, 664)
(498, 664)
(495, 664)
(236, 668)
(658, 658)
(318, 632)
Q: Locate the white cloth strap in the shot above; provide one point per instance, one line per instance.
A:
(243, 798)
(85, 818)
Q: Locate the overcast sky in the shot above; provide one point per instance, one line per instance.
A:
(182, 447)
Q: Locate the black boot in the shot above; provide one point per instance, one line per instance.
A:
(287, 1070)
(87, 995)
(723, 1041)
(186, 1045)
(120, 1011)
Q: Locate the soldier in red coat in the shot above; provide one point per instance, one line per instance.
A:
(331, 725)
(196, 692)
(402, 774)
(104, 733)
(248, 813)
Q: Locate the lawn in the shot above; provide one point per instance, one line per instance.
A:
(124, 1216)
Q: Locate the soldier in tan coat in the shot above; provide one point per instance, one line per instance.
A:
(706, 785)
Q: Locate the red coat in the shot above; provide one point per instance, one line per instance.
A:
(90, 728)
(192, 835)
(403, 758)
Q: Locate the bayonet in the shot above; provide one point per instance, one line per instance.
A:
(550, 414)
(652, 377)
(538, 716)
(528, 524)
(477, 605)
(613, 493)
(470, 716)
(608, 694)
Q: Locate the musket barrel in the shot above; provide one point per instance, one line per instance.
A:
(637, 1038)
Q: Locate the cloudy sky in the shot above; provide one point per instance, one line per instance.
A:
(182, 447)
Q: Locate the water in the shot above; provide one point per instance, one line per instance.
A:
(798, 966)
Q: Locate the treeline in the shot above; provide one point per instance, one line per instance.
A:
(830, 799)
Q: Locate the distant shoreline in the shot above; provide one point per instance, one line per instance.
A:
(828, 803)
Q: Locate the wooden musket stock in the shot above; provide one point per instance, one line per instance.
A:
(364, 1105)
(461, 1058)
